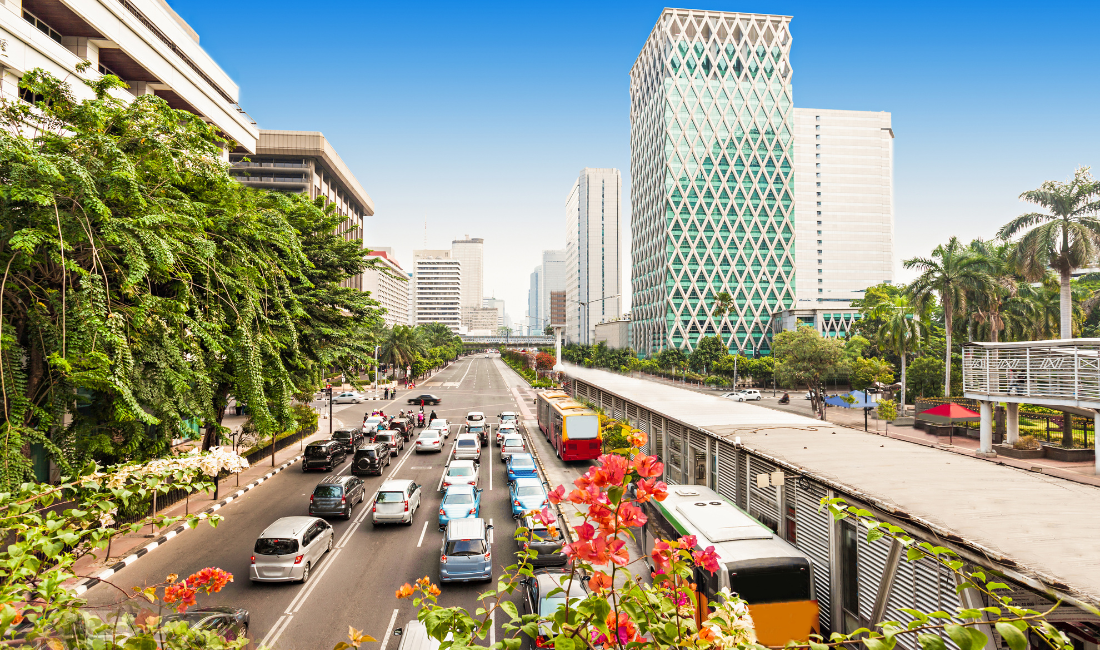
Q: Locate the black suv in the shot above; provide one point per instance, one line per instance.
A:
(349, 437)
(336, 495)
(424, 399)
(394, 439)
(404, 425)
(370, 459)
(324, 454)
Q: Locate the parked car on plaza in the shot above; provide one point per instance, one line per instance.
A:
(520, 466)
(323, 454)
(461, 472)
(351, 437)
(505, 428)
(429, 440)
(397, 502)
(394, 439)
(511, 445)
(751, 394)
(467, 552)
(467, 447)
(348, 397)
(425, 399)
(459, 502)
(337, 495)
(537, 601)
(525, 495)
(288, 549)
(370, 458)
(547, 545)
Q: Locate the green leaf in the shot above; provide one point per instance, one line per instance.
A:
(879, 644)
(818, 646)
(562, 642)
(931, 642)
(965, 637)
(912, 554)
(1015, 638)
(510, 609)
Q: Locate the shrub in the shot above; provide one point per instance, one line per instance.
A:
(1027, 442)
(887, 410)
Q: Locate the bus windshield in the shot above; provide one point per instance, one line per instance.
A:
(771, 584)
(582, 427)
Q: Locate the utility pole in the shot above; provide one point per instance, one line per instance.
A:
(330, 410)
(375, 388)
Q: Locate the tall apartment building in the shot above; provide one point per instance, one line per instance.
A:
(388, 284)
(844, 198)
(533, 293)
(143, 42)
(547, 277)
(305, 162)
(471, 252)
(438, 288)
(592, 251)
(498, 305)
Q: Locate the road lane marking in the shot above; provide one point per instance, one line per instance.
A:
(315, 581)
(493, 627)
(421, 542)
(267, 640)
(292, 607)
(389, 631)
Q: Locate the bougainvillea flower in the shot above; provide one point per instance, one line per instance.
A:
(545, 517)
(648, 466)
(619, 553)
(611, 470)
(708, 559)
(404, 591)
(687, 542)
(585, 531)
(557, 495)
(599, 581)
(662, 554)
(632, 516)
(637, 438)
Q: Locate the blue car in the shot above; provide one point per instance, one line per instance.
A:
(520, 466)
(526, 494)
(459, 502)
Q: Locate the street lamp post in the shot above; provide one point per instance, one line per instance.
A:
(585, 304)
(375, 386)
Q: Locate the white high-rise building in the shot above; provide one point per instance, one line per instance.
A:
(497, 304)
(438, 286)
(388, 284)
(533, 294)
(844, 205)
(471, 252)
(593, 252)
(552, 278)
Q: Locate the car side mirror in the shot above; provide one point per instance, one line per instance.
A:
(488, 526)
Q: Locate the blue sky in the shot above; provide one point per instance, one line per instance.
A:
(476, 118)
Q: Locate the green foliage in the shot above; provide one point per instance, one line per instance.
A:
(854, 347)
(887, 410)
(671, 358)
(707, 353)
(925, 376)
(864, 372)
(598, 356)
(803, 357)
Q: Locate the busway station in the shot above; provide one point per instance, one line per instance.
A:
(1039, 532)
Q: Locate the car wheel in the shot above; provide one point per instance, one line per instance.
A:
(305, 573)
(348, 511)
(329, 547)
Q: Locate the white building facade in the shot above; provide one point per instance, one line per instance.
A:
(533, 293)
(143, 42)
(389, 285)
(471, 252)
(438, 287)
(593, 281)
(844, 197)
(552, 278)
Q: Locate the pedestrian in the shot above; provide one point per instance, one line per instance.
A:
(432, 416)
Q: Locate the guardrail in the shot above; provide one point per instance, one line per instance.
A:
(1063, 372)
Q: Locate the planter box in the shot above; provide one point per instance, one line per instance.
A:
(942, 430)
(1012, 452)
(1069, 455)
(973, 434)
(920, 424)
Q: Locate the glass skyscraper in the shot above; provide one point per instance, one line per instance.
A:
(712, 196)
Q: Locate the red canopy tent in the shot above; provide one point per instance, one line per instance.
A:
(948, 413)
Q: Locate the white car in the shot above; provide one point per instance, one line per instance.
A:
(397, 502)
(443, 426)
(467, 447)
(288, 549)
(475, 418)
(507, 428)
(737, 397)
(751, 394)
(461, 472)
(511, 445)
(349, 397)
(429, 440)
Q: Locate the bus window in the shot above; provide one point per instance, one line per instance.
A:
(771, 581)
(700, 462)
(849, 580)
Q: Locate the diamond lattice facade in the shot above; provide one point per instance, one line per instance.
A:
(712, 198)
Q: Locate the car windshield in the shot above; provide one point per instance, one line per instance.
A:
(384, 437)
(273, 546)
(528, 490)
(438, 423)
(461, 471)
(467, 443)
(320, 451)
(342, 435)
(327, 491)
(513, 442)
(476, 428)
(543, 533)
(190, 618)
(550, 605)
(458, 499)
(429, 435)
(508, 416)
(522, 462)
(475, 418)
(369, 453)
(465, 547)
(390, 497)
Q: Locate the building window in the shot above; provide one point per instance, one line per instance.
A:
(817, 117)
(30, 97)
(818, 156)
(819, 232)
(819, 223)
(821, 291)
(819, 164)
(819, 173)
(819, 261)
(820, 280)
(819, 183)
(819, 214)
(819, 242)
(819, 193)
(817, 146)
(820, 270)
(819, 204)
(42, 27)
(819, 253)
(818, 126)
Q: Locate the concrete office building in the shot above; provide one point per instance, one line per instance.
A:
(592, 252)
(471, 252)
(388, 284)
(143, 42)
(482, 321)
(553, 278)
(438, 286)
(844, 198)
(498, 305)
(305, 162)
(614, 333)
(557, 311)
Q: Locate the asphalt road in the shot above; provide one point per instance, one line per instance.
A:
(355, 583)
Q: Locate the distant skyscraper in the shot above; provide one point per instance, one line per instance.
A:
(844, 193)
(497, 304)
(592, 250)
(712, 205)
(552, 278)
(438, 286)
(533, 319)
(388, 284)
(471, 252)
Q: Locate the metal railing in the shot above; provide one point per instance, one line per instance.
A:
(1064, 372)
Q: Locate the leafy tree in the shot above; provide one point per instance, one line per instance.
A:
(1001, 265)
(436, 334)
(670, 358)
(707, 354)
(926, 375)
(544, 361)
(804, 357)
(854, 347)
(401, 346)
(1065, 238)
(865, 372)
(900, 332)
(950, 274)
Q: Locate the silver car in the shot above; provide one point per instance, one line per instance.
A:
(429, 440)
(467, 447)
(461, 472)
(397, 502)
(349, 397)
(288, 549)
(511, 445)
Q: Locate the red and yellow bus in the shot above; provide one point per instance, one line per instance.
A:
(572, 428)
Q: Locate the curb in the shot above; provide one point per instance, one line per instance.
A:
(163, 539)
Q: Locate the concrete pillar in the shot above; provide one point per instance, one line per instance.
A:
(986, 430)
(1012, 423)
(558, 367)
(1095, 447)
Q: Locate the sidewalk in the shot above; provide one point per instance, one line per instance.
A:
(125, 549)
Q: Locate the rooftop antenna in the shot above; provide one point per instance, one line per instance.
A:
(425, 234)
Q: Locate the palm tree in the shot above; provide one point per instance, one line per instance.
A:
(1064, 238)
(400, 345)
(999, 261)
(949, 275)
(722, 304)
(901, 331)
